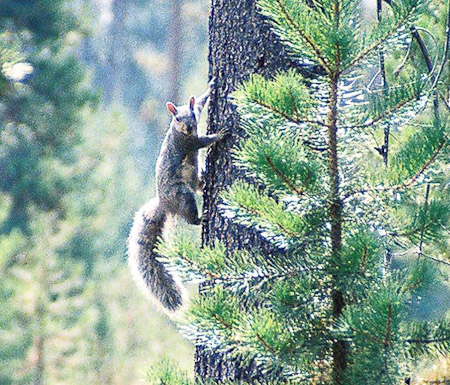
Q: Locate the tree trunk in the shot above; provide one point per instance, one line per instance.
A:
(117, 52)
(40, 364)
(240, 44)
(40, 338)
(175, 50)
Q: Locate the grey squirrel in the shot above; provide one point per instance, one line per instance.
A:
(177, 179)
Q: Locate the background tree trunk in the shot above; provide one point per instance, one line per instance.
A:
(240, 44)
(175, 28)
(117, 51)
(40, 364)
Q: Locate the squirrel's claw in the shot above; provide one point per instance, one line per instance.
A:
(223, 133)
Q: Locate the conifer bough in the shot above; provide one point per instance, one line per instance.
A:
(329, 308)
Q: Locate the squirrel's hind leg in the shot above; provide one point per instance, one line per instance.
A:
(187, 206)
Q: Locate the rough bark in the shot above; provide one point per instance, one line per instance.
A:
(241, 44)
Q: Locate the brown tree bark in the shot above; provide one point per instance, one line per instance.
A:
(241, 44)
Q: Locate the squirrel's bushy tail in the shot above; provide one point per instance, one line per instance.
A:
(150, 223)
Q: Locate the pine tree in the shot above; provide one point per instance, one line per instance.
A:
(240, 43)
(51, 297)
(342, 175)
(40, 111)
(14, 341)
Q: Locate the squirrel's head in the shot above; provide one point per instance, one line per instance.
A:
(185, 118)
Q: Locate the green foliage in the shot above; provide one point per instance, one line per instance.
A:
(41, 112)
(287, 95)
(184, 252)
(423, 144)
(427, 220)
(403, 99)
(314, 32)
(251, 207)
(435, 333)
(333, 205)
(359, 259)
(14, 342)
(269, 159)
(423, 273)
(388, 31)
(307, 31)
(68, 187)
(167, 373)
(375, 327)
(22, 14)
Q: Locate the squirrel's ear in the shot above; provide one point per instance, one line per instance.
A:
(171, 107)
(192, 103)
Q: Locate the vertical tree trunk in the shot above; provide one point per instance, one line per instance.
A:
(40, 364)
(117, 51)
(40, 338)
(175, 53)
(240, 44)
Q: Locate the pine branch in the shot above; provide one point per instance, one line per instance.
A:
(265, 215)
(223, 322)
(322, 60)
(446, 49)
(253, 208)
(423, 48)
(392, 26)
(385, 148)
(428, 341)
(422, 232)
(406, 184)
(425, 166)
(284, 177)
(436, 259)
(387, 104)
(295, 120)
(265, 344)
(286, 95)
(429, 336)
(387, 339)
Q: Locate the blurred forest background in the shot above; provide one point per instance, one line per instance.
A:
(83, 86)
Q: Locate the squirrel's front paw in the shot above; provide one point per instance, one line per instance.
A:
(223, 133)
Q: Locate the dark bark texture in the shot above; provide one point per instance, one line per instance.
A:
(241, 44)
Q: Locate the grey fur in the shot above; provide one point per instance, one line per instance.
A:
(177, 181)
